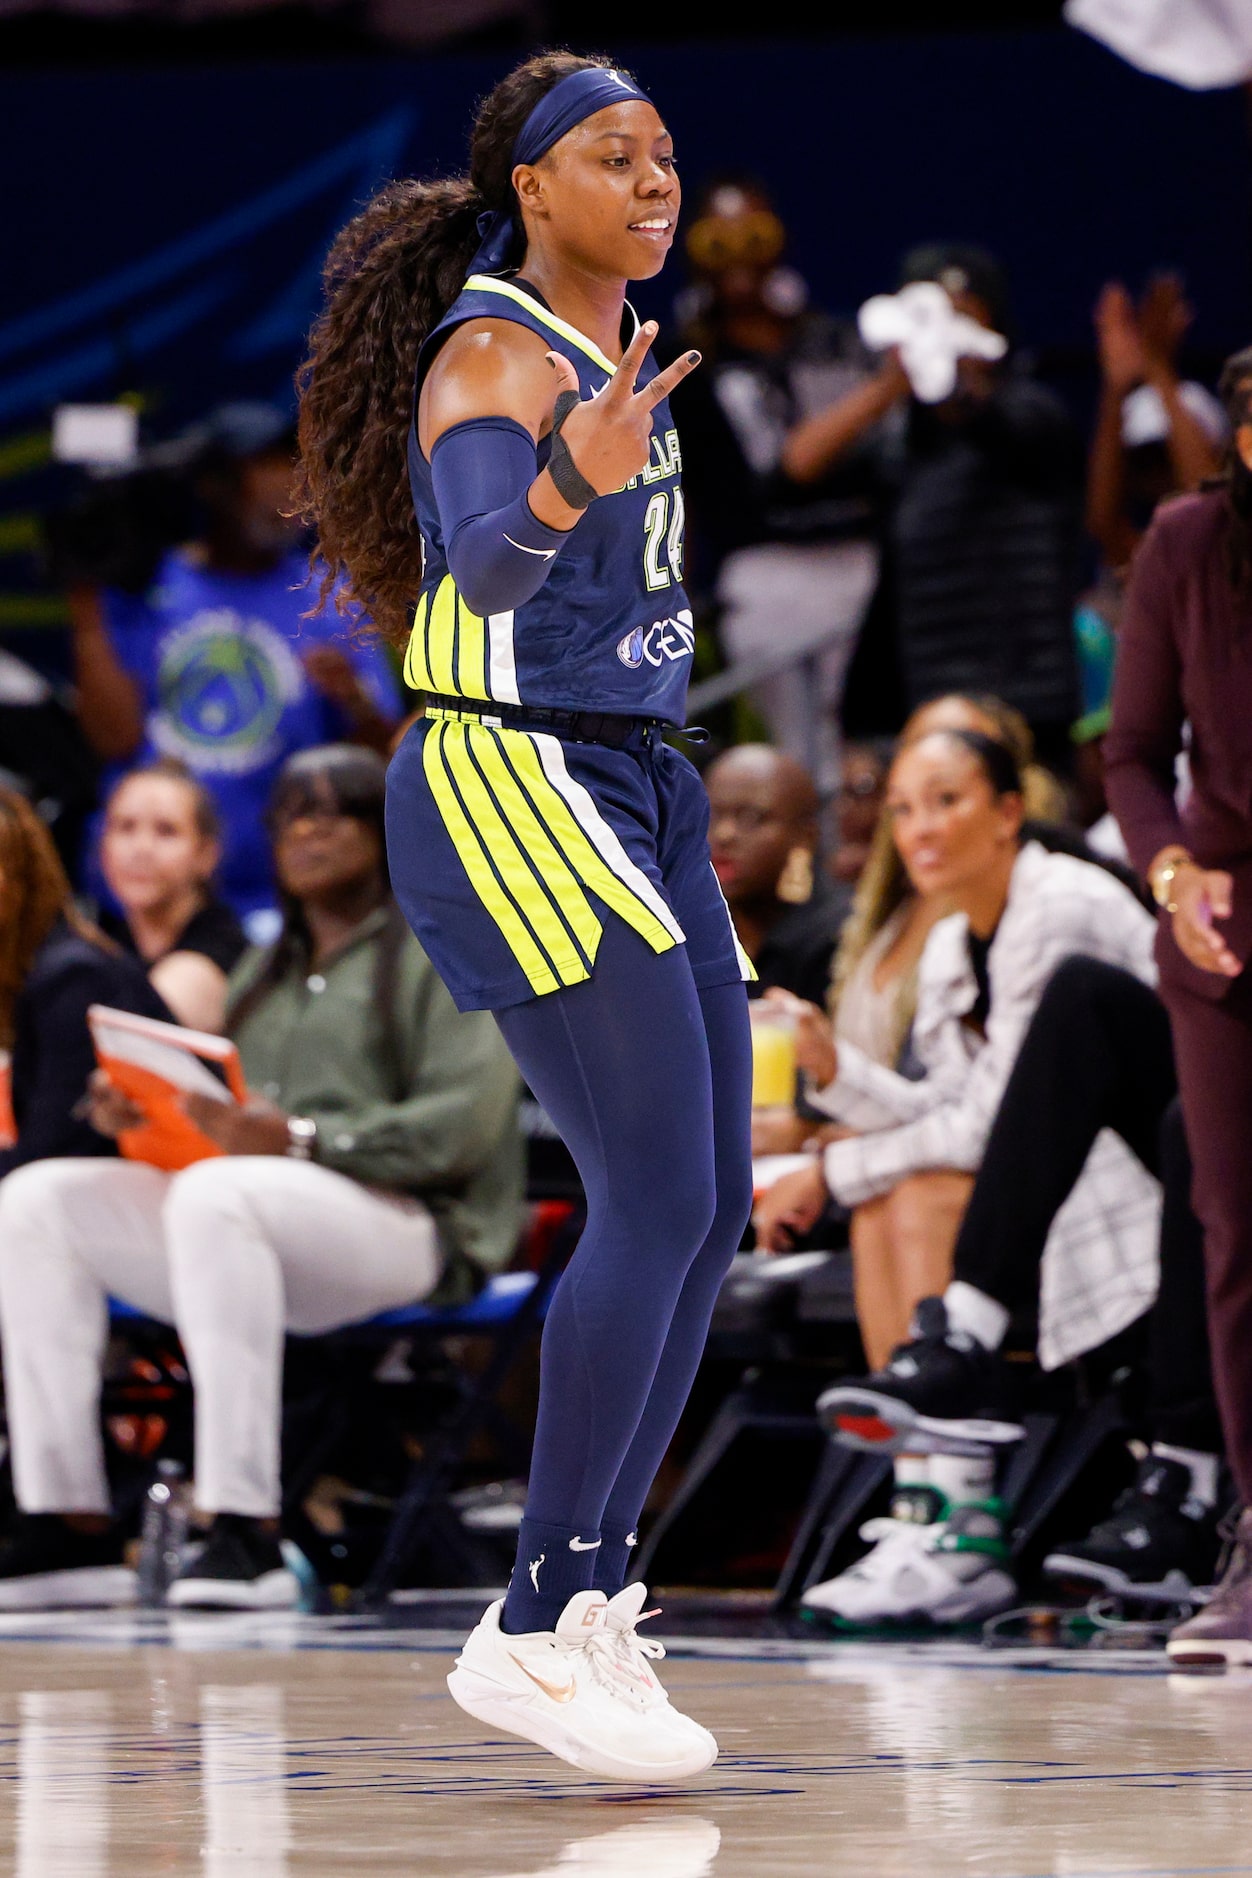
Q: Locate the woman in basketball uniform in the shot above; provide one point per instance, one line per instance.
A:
(548, 847)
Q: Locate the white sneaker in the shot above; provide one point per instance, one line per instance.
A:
(564, 1689)
(638, 1682)
(950, 1571)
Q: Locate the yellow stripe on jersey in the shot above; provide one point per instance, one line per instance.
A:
(471, 653)
(441, 636)
(585, 860)
(416, 672)
(486, 283)
(541, 973)
(447, 649)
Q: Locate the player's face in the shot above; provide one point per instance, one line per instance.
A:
(609, 192)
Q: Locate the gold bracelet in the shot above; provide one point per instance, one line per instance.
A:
(1163, 880)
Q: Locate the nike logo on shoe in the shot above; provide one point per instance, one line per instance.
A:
(545, 554)
(557, 1691)
(584, 1545)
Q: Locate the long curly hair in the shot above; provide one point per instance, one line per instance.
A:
(389, 278)
(1235, 391)
(34, 894)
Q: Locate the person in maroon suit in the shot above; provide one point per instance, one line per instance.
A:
(1185, 659)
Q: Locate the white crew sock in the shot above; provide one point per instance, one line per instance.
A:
(1202, 1468)
(961, 1478)
(975, 1313)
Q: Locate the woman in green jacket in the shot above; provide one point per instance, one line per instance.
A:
(377, 1162)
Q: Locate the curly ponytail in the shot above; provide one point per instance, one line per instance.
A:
(1235, 391)
(389, 278)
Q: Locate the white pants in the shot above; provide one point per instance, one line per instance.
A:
(811, 600)
(233, 1251)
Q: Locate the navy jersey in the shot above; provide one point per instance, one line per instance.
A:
(610, 629)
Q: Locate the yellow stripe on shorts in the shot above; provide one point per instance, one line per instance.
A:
(519, 868)
(444, 757)
(537, 844)
(586, 861)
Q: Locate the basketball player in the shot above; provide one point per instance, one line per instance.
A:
(546, 844)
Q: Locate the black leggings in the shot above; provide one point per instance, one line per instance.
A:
(1097, 1055)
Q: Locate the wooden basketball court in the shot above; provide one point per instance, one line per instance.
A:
(262, 1747)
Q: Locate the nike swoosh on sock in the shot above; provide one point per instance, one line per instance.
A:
(583, 1545)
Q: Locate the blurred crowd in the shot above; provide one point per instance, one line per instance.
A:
(919, 604)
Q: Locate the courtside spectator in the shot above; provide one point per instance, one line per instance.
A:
(377, 1162)
(863, 768)
(54, 964)
(981, 497)
(874, 990)
(159, 853)
(793, 561)
(913, 1147)
(763, 811)
(215, 663)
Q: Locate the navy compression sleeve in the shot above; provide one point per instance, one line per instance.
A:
(499, 552)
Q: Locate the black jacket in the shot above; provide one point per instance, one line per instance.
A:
(984, 540)
(52, 1053)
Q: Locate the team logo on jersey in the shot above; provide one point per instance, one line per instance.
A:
(665, 639)
(223, 684)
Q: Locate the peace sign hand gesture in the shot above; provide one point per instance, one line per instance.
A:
(605, 440)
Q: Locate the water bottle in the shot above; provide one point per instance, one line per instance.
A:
(163, 1534)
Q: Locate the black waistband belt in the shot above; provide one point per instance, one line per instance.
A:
(579, 726)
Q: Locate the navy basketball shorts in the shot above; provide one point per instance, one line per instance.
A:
(510, 848)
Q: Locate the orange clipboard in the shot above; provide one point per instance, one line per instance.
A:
(156, 1065)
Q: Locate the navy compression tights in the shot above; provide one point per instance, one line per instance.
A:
(648, 1081)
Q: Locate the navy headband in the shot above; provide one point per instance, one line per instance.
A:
(572, 99)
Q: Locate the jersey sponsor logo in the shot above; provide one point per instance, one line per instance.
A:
(665, 640)
(223, 684)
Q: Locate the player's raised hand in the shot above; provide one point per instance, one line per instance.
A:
(608, 437)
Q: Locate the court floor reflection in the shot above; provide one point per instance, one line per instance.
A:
(120, 1755)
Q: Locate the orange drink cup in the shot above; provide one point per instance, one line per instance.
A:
(773, 1057)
